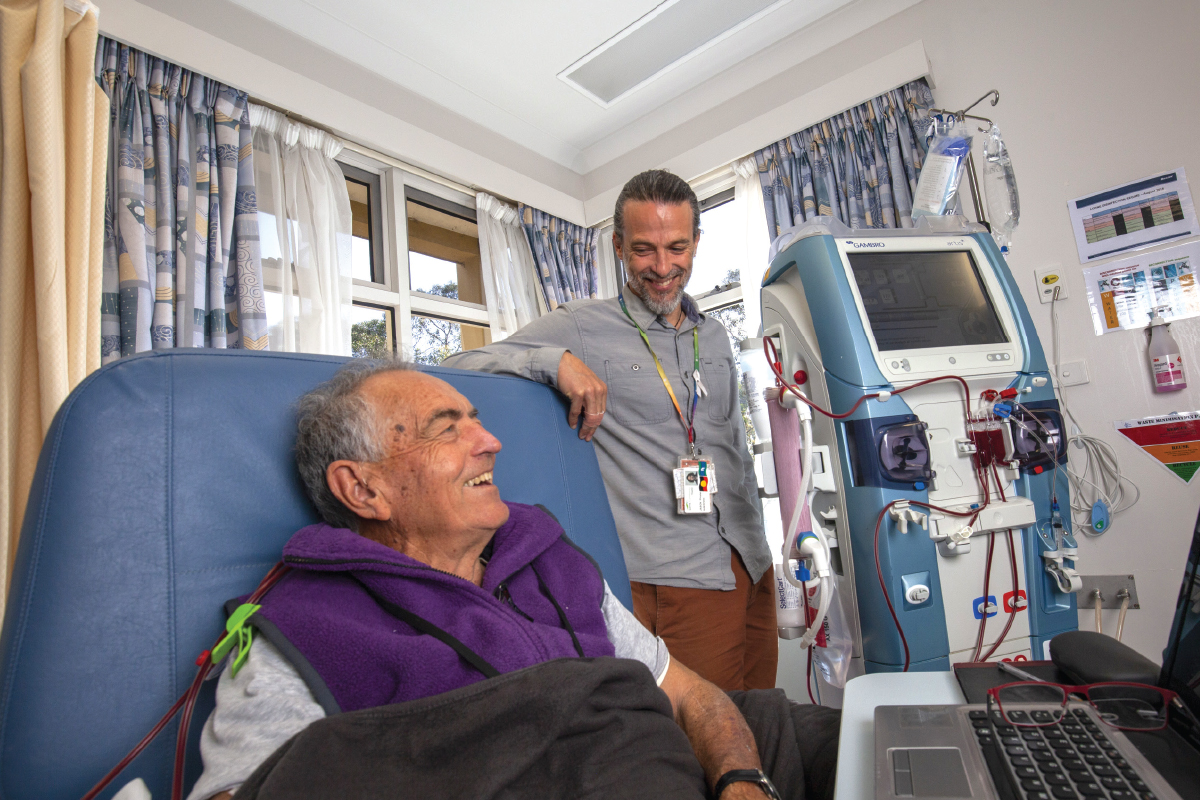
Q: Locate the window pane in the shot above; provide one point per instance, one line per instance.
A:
(443, 254)
(432, 275)
(718, 261)
(371, 334)
(360, 229)
(433, 340)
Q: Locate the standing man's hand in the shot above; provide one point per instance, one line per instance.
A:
(587, 394)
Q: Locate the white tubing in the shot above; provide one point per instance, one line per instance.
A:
(1121, 618)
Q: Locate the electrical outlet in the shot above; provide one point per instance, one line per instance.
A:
(1072, 373)
(1048, 279)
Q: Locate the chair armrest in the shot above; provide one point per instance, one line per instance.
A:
(1090, 657)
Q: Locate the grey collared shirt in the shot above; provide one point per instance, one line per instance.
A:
(641, 438)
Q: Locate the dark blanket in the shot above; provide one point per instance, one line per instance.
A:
(571, 728)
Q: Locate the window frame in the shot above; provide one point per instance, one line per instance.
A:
(397, 187)
(711, 192)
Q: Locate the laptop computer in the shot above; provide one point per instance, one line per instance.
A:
(1052, 752)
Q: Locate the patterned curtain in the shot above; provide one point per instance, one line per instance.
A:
(860, 166)
(181, 260)
(565, 254)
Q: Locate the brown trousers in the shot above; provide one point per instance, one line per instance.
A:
(728, 638)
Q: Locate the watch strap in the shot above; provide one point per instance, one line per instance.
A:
(756, 776)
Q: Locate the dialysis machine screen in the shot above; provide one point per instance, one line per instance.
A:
(916, 300)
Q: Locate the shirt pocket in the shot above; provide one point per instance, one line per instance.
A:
(636, 395)
(717, 380)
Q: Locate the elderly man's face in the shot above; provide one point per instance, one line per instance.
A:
(658, 248)
(438, 468)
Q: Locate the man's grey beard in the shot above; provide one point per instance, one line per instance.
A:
(662, 308)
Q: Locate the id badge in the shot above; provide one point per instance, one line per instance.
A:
(695, 484)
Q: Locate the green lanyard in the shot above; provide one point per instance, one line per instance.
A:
(688, 422)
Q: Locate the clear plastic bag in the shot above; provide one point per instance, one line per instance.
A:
(1000, 188)
(937, 188)
(833, 660)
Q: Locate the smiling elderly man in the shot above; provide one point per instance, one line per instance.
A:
(424, 582)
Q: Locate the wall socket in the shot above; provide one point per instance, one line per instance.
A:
(1048, 279)
(1072, 373)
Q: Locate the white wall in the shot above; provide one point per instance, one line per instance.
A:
(1093, 94)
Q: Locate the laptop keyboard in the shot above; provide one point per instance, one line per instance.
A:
(1072, 760)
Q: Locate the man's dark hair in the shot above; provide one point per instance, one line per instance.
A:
(336, 422)
(656, 186)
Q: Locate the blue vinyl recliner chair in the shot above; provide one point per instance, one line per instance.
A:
(166, 486)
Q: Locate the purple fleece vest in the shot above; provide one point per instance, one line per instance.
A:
(368, 658)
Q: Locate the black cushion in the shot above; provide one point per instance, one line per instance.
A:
(1090, 657)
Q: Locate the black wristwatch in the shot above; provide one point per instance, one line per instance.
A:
(756, 776)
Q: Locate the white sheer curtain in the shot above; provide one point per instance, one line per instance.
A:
(751, 229)
(305, 224)
(508, 267)
(608, 273)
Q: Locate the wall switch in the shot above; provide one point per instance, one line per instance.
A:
(1072, 373)
(1048, 279)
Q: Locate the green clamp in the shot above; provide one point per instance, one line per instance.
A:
(236, 631)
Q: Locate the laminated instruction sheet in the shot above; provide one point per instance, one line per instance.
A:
(1150, 211)
(1173, 440)
(1123, 295)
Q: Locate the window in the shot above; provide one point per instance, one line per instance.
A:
(445, 278)
(372, 331)
(366, 225)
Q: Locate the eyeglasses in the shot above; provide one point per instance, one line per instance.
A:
(1124, 706)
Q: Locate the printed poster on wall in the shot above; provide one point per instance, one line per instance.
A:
(1173, 440)
(1124, 294)
(1150, 211)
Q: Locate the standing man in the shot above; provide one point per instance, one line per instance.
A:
(653, 382)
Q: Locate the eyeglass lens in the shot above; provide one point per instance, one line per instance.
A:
(1031, 703)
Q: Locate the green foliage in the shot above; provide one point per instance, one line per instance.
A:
(434, 340)
(369, 339)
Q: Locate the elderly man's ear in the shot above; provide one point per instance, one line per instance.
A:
(351, 482)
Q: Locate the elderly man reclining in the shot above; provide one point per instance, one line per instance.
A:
(367, 674)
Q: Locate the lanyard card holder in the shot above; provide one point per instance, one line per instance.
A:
(695, 484)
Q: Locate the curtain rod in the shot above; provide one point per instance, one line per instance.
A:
(375, 154)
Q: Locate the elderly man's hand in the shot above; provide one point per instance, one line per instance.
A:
(587, 393)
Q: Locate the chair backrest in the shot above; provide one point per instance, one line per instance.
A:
(166, 486)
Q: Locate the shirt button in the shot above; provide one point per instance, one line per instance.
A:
(722, 530)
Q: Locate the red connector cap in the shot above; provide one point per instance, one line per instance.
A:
(801, 377)
(202, 659)
(1009, 394)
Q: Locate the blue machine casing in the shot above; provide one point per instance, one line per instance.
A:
(851, 371)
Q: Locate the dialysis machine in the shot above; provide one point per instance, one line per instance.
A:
(934, 480)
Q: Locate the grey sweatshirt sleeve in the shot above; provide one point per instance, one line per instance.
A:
(532, 353)
(264, 706)
(630, 638)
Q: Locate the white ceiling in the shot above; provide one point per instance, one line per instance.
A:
(495, 63)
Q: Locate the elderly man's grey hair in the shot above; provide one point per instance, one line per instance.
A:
(336, 422)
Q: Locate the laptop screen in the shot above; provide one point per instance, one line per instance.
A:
(1181, 659)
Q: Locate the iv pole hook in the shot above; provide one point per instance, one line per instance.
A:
(995, 100)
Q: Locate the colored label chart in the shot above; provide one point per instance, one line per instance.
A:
(1173, 440)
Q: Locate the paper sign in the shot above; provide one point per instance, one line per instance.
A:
(1139, 214)
(1173, 440)
(1124, 294)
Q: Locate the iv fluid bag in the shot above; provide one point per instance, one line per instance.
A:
(1000, 188)
(833, 660)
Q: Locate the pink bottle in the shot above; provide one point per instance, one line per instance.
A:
(1165, 362)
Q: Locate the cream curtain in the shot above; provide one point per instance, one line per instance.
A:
(509, 271)
(54, 129)
(304, 222)
(751, 224)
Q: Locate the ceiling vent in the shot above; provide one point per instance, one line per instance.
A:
(671, 34)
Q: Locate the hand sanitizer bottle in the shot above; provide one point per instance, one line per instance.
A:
(1165, 362)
